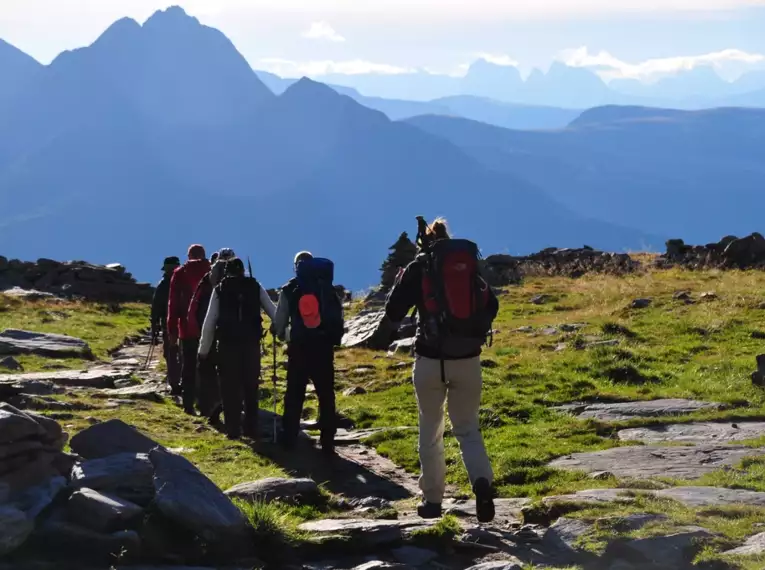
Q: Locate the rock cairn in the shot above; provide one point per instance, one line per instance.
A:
(402, 253)
(73, 279)
(730, 252)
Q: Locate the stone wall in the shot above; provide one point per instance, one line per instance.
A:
(74, 279)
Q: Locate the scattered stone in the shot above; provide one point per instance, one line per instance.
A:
(488, 363)
(300, 491)
(697, 432)
(601, 475)
(560, 540)
(708, 296)
(712, 496)
(92, 378)
(186, 496)
(15, 341)
(413, 556)
(526, 329)
(549, 331)
(560, 347)
(111, 438)
(601, 343)
(400, 366)
(15, 528)
(641, 303)
(540, 299)
(758, 335)
(753, 546)
(10, 363)
(642, 409)
(572, 327)
(148, 391)
(376, 503)
(101, 512)
(354, 391)
(682, 296)
(652, 461)
(671, 551)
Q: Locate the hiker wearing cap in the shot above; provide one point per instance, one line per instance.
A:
(182, 287)
(309, 317)
(234, 320)
(209, 390)
(159, 322)
(455, 309)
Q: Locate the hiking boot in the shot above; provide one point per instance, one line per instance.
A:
(428, 510)
(484, 500)
(215, 417)
(189, 410)
(234, 436)
(176, 391)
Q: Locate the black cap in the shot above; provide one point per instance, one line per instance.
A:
(172, 260)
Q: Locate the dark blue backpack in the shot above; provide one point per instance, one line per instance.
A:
(318, 310)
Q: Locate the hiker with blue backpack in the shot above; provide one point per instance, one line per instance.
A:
(455, 310)
(309, 317)
(234, 320)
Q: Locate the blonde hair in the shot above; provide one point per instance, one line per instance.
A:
(438, 229)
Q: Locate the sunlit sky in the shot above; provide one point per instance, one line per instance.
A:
(619, 38)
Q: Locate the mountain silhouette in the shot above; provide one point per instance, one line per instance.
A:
(16, 70)
(697, 175)
(485, 79)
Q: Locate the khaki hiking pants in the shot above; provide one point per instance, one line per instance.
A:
(462, 393)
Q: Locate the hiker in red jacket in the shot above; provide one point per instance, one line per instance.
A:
(182, 287)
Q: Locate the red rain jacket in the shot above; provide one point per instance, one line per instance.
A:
(182, 287)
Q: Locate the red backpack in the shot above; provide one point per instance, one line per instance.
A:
(456, 297)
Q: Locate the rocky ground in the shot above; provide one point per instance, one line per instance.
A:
(624, 428)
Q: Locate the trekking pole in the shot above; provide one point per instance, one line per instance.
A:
(273, 380)
(150, 354)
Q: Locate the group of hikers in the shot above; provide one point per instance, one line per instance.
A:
(209, 313)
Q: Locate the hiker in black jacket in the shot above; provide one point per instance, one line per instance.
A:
(234, 320)
(159, 322)
(445, 286)
(309, 316)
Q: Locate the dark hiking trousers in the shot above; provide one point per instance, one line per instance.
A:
(189, 348)
(173, 362)
(239, 364)
(209, 385)
(315, 362)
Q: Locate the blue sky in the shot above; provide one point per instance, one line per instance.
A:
(312, 37)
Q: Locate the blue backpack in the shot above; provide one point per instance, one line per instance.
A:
(318, 310)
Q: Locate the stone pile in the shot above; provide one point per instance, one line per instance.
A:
(502, 270)
(73, 279)
(123, 495)
(730, 252)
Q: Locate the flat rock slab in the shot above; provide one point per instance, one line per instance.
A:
(147, 391)
(671, 551)
(347, 436)
(15, 341)
(110, 438)
(276, 489)
(712, 496)
(697, 432)
(127, 475)
(93, 378)
(652, 461)
(754, 545)
(623, 411)
(512, 564)
(370, 532)
(186, 496)
(593, 497)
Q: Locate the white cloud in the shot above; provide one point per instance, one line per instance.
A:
(323, 31)
(290, 68)
(498, 59)
(610, 67)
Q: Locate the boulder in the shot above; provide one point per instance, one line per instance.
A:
(354, 391)
(653, 461)
(92, 378)
(110, 438)
(300, 491)
(671, 551)
(73, 542)
(413, 556)
(127, 475)
(34, 500)
(10, 363)
(402, 346)
(186, 496)
(753, 546)
(15, 528)
(15, 341)
(101, 512)
(641, 303)
(372, 329)
(16, 425)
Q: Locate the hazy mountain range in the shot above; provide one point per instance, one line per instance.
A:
(161, 135)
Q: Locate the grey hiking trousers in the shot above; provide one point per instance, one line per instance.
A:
(462, 394)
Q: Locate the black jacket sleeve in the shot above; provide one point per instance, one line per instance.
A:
(405, 294)
(159, 303)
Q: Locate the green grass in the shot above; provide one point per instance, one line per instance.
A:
(98, 325)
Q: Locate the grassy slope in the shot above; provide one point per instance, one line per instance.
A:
(671, 349)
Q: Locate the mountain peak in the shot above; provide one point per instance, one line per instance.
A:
(174, 16)
(306, 87)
